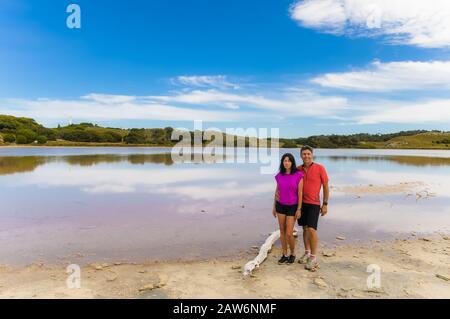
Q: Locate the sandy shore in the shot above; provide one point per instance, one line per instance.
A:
(416, 268)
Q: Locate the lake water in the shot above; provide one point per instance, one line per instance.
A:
(135, 204)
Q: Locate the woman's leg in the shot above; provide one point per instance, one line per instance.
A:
(282, 223)
(290, 222)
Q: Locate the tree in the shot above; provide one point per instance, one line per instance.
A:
(9, 138)
(136, 136)
(289, 144)
(168, 131)
(28, 134)
(20, 139)
(42, 139)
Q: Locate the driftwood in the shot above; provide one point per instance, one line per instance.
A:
(263, 251)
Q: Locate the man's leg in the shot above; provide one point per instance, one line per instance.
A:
(282, 223)
(306, 240)
(313, 240)
(304, 258)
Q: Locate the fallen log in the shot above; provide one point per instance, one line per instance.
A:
(263, 251)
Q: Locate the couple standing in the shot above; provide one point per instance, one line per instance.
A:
(297, 198)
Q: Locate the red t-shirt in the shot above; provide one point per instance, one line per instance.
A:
(313, 179)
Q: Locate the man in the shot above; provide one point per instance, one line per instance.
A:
(315, 178)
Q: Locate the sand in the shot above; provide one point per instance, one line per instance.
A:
(413, 268)
(385, 189)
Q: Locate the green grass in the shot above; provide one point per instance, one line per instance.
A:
(421, 141)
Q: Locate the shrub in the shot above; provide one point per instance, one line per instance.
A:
(9, 138)
(136, 136)
(41, 139)
(20, 139)
(29, 135)
(289, 144)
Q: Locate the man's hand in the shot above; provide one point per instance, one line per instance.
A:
(324, 210)
(277, 195)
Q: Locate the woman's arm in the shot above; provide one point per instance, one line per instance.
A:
(274, 211)
(298, 214)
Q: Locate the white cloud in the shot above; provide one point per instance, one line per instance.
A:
(393, 76)
(208, 105)
(326, 15)
(429, 111)
(288, 103)
(268, 103)
(109, 98)
(218, 81)
(413, 22)
(99, 107)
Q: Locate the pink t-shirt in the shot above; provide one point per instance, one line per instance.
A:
(288, 187)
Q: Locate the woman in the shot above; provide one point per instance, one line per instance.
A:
(288, 208)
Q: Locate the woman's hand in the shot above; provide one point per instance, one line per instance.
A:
(274, 212)
(298, 214)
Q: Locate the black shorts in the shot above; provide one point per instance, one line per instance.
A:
(288, 210)
(310, 215)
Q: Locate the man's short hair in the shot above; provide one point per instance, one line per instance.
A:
(306, 148)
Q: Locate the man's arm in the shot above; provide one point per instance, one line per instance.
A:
(326, 195)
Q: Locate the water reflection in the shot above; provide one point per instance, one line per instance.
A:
(404, 160)
(22, 164)
(141, 206)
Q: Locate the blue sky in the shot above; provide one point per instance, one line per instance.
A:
(306, 67)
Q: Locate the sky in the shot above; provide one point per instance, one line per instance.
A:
(306, 67)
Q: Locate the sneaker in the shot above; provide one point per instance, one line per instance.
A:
(303, 259)
(291, 259)
(312, 264)
(283, 259)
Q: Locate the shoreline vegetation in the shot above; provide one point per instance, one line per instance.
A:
(26, 132)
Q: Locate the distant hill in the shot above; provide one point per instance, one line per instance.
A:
(15, 130)
(402, 139)
(440, 140)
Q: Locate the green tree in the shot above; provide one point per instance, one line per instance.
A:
(28, 134)
(9, 138)
(168, 131)
(136, 136)
(20, 139)
(289, 144)
(42, 139)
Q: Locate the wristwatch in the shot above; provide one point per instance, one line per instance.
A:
(325, 204)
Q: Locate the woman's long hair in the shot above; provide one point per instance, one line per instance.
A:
(292, 160)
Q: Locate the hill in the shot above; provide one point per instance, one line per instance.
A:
(15, 130)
